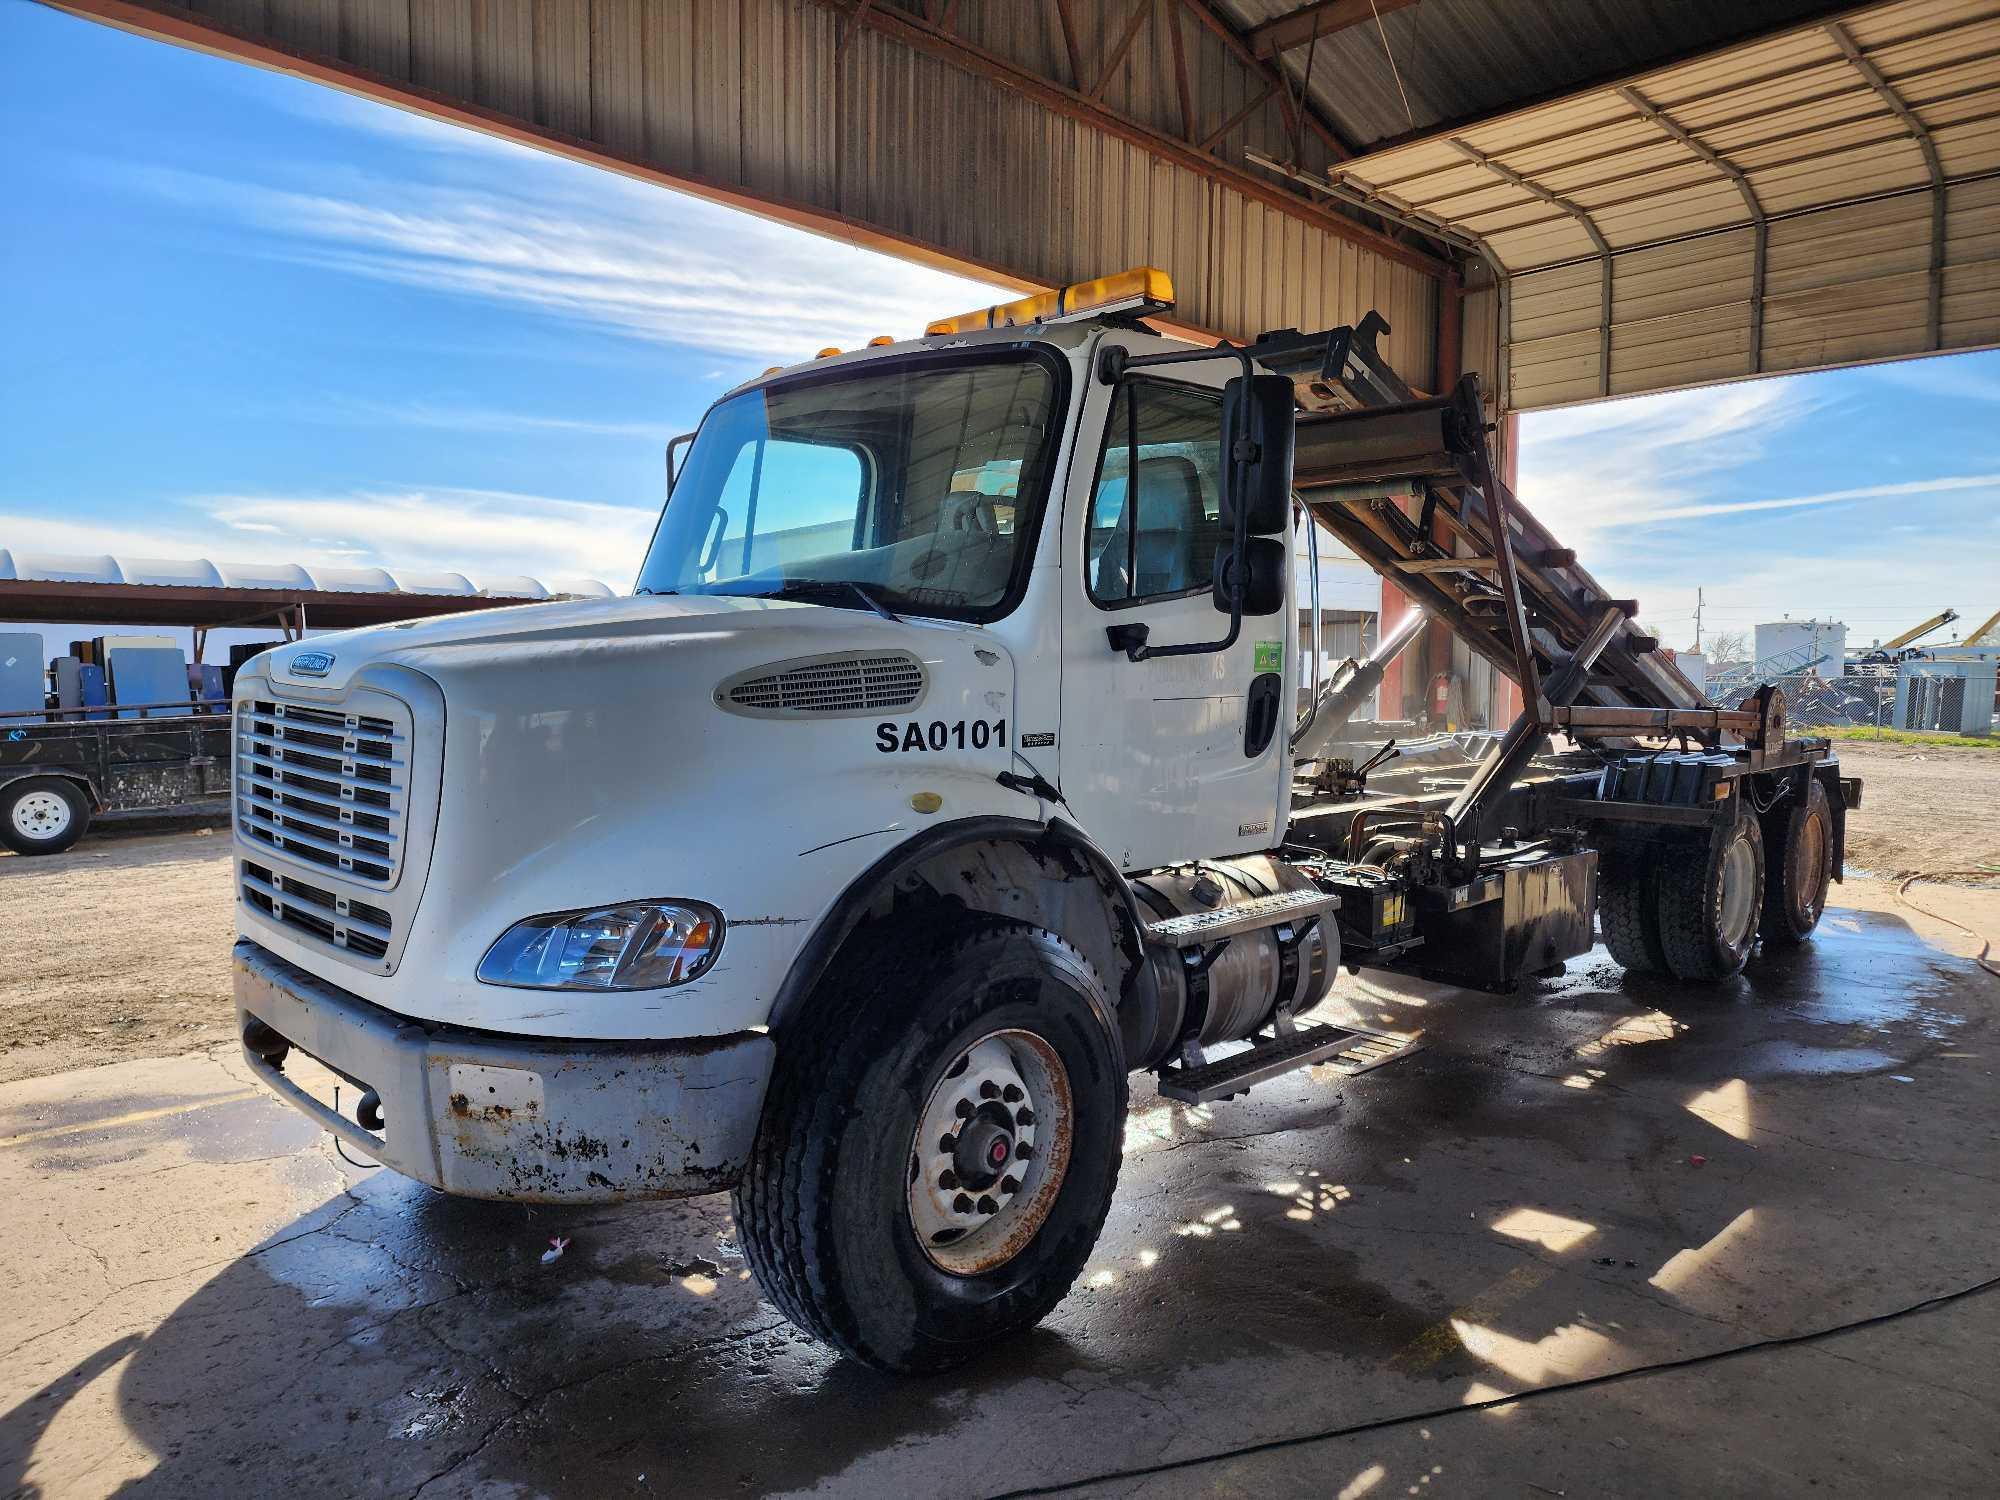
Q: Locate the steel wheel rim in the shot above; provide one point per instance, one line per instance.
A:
(1739, 900)
(41, 815)
(990, 1151)
(1815, 861)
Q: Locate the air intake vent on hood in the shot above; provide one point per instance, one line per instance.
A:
(850, 684)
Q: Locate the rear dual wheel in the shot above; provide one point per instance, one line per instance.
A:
(938, 1149)
(1798, 837)
(1685, 909)
(1710, 895)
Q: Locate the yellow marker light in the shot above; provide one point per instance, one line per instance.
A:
(774, 369)
(881, 339)
(1143, 289)
(826, 353)
(926, 802)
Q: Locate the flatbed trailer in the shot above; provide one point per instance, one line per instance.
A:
(56, 777)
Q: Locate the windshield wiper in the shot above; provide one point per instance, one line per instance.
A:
(807, 588)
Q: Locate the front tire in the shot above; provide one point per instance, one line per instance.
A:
(1798, 842)
(1710, 895)
(841, 1210)
(42, 815)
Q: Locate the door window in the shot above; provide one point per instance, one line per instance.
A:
(1156, 538)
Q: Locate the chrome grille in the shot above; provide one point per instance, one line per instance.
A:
(317, 912)
(324, 785)
(830, 685)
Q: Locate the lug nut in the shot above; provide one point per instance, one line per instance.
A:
(1010, 1184)
(947, 1179)
(962, 1204)
(948, 1144)
(989, 1090)
(988, 1206)
(963, 1109)
(1023, 1150)
(1011, 1093)
(1024, 1117)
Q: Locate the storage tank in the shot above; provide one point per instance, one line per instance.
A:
(1693, 665)
(1804, 639)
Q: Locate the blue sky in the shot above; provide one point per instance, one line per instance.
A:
(253, 319)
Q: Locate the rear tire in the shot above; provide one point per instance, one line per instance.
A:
(832, 1202)
(42, 815)
(1798, 843)
(1628, 911)
(1710, 895)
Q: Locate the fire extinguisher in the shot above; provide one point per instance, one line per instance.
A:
(1439, 698)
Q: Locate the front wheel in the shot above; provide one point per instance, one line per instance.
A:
(938, 1149)
(42, 815)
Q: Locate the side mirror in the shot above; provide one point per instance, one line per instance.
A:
(1259, 422)
(1263, 576)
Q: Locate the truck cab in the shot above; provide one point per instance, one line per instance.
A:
(936, 775)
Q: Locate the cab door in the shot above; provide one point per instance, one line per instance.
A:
(1176, 757)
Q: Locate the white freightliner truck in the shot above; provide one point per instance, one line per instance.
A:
(950, 761)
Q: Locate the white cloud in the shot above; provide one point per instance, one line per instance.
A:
(1591, 470)
(626, 257)
(473, 419)
(442, 528)
(460, 529)
(1909, 488)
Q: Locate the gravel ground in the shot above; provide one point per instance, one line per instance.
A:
(1922, 809)
(120, 948)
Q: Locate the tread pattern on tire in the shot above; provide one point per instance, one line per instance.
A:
(1686, 910)
(784, 1201)
(1628, 915)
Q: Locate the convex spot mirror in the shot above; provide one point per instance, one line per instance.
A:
(1263, 577)
(1259, 421)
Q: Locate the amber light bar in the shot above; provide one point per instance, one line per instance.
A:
(1144, 289)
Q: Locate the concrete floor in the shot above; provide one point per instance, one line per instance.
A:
(198, 1298)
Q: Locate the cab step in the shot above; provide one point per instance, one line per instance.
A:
(1198, 928)
(1347, 1049)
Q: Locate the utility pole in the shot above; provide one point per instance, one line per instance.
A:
(1697, 621)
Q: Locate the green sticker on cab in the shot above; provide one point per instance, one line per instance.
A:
(1270, 656)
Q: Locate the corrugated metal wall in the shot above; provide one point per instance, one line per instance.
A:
(792, 104)
(1842, 285)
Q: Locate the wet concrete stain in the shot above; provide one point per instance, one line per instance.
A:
(1324, 1225)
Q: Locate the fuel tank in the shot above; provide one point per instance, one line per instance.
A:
(1226, 996)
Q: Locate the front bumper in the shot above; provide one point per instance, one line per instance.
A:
(522, 1118)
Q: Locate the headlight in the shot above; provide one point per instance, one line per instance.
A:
(645, 945)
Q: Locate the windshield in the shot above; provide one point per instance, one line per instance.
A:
(920, 481)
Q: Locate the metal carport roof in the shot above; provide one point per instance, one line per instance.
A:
(1824, 195)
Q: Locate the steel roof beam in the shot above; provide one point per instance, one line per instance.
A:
(1241, 50)
(1925, 144)
(1298, 28)
(1582, 216)
(1760, 244)
(1701, 97)
(919, 35)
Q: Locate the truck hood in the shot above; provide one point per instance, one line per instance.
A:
(595, 753)
(567, 635)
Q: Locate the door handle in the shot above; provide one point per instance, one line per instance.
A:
(1130, 638)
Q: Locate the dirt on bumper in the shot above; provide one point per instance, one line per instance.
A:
(522, 1118)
